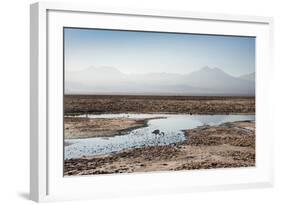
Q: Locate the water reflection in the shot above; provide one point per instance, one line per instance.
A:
(172, 126)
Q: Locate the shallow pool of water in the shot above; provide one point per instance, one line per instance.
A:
(170, 124)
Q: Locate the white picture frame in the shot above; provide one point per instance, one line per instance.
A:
(46, 179)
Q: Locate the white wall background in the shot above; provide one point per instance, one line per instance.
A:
(14, 101)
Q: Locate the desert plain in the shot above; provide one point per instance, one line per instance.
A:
(225, 145)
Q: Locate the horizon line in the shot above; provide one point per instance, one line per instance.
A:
(201, 68)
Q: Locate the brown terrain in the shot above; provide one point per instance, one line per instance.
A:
(226, 145)
(81, 104)
(77, 128)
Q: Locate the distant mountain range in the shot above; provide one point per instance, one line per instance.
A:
(250, 77)
(206, 81)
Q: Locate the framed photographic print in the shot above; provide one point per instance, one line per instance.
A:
(127, 102)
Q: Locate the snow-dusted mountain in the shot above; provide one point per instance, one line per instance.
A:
(109, 80)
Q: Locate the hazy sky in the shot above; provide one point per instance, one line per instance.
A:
(150, 52)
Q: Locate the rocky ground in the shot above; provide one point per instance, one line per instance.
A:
(81, 104)
(206, 147)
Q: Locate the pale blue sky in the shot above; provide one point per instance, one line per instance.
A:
(149, 52)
